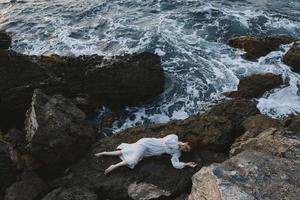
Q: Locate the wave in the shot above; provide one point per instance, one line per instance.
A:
(189, 35)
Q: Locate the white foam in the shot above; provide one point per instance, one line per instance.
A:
(188, 35)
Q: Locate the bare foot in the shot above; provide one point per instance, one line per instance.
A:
(99, 154)
(109, 169)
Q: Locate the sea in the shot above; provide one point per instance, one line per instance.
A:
(189, 35)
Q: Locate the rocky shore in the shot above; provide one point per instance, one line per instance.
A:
(47, 147)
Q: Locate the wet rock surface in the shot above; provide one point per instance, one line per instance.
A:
(256, 85)
(121, 80)
(292, 57)
(257, 47)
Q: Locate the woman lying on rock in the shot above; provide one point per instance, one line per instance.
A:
(131, 154)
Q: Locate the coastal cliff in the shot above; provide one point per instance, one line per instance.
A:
(241, 153)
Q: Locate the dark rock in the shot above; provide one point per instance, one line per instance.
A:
(18, 151)
(257, 47)
(73, 193)
(256, 85)
(213, 131)
(122, 80)
(5, 40)
(136, 78)
(57, 132)
(249, 175)
(292, 57)
(7, 168)
(29, 188)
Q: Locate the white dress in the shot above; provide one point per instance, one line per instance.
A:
(145, 147)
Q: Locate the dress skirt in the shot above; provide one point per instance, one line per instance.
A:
(132, 153)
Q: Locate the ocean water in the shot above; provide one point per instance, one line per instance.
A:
(189, 35)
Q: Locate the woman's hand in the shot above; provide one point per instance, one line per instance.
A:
(191, 164)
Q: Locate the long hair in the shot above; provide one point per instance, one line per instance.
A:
(193, 141)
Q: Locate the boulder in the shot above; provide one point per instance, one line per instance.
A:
(30, 187)
(256, 85)
(281, 143)
(292, 57)
(257, 47)
(72, 193)
(118, 81)
(213, 131)
(249, 175)
(56, 130)
(5, 40)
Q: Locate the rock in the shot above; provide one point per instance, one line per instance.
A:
(280, 143)
(248, 175)
(57, 132)
(29, 188)
(257, 47)
(7, 168)
(214, 130)
(255, 86)
(256, 124)
(119, 81)
(73, 193)
(146, 191)
(5, 40)
(18, 151)
(236, 111)
(292, 57)
(136, 78)
(293, 123)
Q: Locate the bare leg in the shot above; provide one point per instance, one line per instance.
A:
(110, 153)
(113, 167)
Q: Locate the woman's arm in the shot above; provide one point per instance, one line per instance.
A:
(179, 165)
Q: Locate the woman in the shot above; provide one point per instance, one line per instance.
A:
(131, 154)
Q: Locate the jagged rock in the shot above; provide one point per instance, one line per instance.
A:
(280, 143)
(292, 57)
(257, 47)
(119, 81)
(249, 175)
(29, 188)
(256, 85)
(214, 130)
(73, 193)
(57, 132)
(5, 40)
